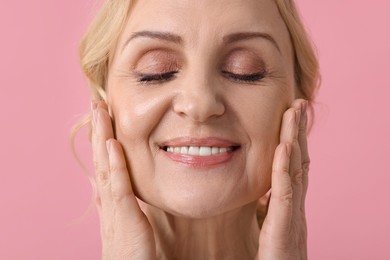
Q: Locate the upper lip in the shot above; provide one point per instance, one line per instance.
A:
(193, 141)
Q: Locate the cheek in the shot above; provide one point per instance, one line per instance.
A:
(262, 119)
(136, 116)
(264, 140)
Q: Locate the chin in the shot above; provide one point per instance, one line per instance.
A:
(200, 192)
(203, 203)
(196, 210)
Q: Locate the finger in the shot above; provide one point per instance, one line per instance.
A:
(263, 202)
(302, 139)
(289, 134)
(280, 206)
(291, 118)
(123, 196)
(101, 131)
(262, 207)
(296, 177)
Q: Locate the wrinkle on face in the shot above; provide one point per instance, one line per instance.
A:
(201, 100)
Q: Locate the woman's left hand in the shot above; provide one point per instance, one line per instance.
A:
(284, 233)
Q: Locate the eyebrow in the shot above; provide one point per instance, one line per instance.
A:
(241, 36)
(174, 38)
(165, 36)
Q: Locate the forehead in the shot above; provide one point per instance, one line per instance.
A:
(197, 19)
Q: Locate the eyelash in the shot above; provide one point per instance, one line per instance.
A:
(164, 77)
(156, 78)
(245, 78)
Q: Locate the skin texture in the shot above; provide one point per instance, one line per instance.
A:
(187, 212)
(201, 102)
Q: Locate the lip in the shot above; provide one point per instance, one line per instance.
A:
(192, 141)
(200, 161)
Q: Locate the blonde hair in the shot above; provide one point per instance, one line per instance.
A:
(98, 45)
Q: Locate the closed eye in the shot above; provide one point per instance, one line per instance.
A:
(156, 78)
(167, 76)
(248, 78)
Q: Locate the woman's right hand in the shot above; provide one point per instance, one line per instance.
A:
(125, 230)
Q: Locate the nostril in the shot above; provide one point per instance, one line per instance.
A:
(200, 106)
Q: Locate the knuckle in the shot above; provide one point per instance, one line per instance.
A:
(115, 168)
(119, 196)
(285, 199)
(281, 170)
(101, 171)
(96, 163)
(284, 196)
(295, 142)
(302, 130)
(297, 176)
(306, 165)
(102, 175)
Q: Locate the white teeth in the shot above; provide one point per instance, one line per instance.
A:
(204, 151)
(184, 150)
(193, 150)
(214, 150)
(198, 150)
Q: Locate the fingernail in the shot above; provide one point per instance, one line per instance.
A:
(297, 116)
(304, 107)
(288, 149)
(305, 118)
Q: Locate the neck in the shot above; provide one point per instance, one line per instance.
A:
(232, 235)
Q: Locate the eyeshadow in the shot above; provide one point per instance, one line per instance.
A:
(157, 61)
(243, 62)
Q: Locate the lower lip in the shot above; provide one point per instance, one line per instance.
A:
(201, 161)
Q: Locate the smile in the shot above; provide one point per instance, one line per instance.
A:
(199, 150)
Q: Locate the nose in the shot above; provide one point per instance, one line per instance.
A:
(199, 102)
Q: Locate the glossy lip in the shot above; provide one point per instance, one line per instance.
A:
(200, 161)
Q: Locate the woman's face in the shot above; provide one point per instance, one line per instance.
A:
(197, 91)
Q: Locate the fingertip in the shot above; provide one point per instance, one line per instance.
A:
(288, 150)
(115, 153)
(282, 157)
(112, 146)
(297, 116)
(284, 149)
(296, 103)
(96, 105)
(304, 106)
(289, 125)
(108, 145)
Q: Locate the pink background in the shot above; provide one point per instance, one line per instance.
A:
(44, 193)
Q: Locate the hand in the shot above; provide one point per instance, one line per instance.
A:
(283, 234)
(125, 230)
